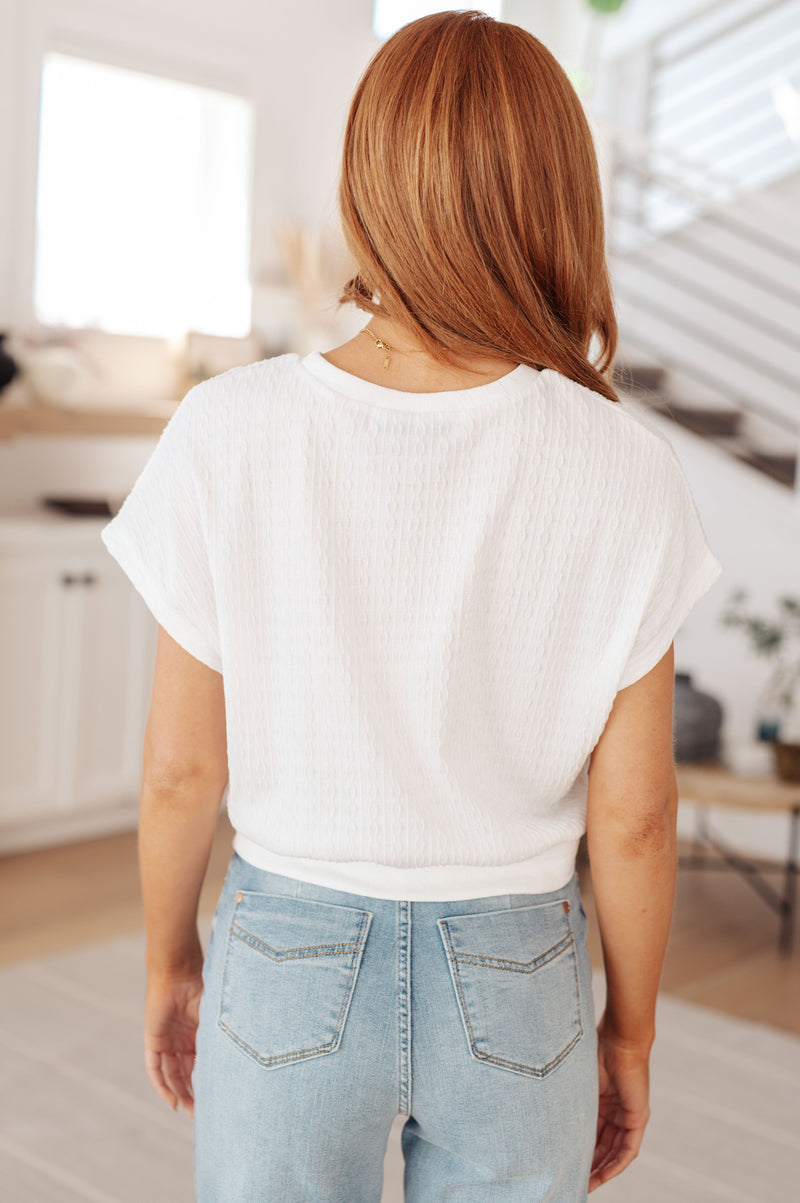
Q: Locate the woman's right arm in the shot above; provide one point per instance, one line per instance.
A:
(631, 836)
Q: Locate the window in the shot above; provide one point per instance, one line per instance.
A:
(389, 15)
(143, 203)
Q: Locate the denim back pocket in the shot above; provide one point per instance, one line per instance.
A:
(515, 975)
(289, 974)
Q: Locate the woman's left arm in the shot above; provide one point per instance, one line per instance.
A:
(185, 769)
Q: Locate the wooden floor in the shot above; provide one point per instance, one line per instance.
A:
(722, 951)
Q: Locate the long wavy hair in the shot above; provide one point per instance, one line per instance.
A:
(470, 200)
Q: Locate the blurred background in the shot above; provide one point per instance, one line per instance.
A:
(167, 211)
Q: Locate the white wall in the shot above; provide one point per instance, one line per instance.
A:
(12, 143)
(639, 20)
(562, 27)
(579, 37)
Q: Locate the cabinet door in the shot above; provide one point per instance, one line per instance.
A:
(108, 665)
(31, 640)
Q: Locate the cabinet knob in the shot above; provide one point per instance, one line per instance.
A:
(89, 578)
(68, 579)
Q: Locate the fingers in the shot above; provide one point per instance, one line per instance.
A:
(606, 1132)
(608, 1152)
(152, 1061)
(171, 1075)
(618, 1152)
(177, 1069)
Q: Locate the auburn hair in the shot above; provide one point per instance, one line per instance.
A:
(470, 200)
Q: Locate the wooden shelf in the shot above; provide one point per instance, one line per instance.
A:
(147, 418)
(711, 784)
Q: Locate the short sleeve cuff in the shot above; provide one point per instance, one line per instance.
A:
(705, 575)
(175, 623)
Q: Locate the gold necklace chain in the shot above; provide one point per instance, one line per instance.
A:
(382, 345)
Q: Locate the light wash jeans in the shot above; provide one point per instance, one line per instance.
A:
(325, 1014)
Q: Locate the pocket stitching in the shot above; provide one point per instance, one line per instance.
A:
(302, 1054)
(276, 954)
(544, 958)
(568, 942)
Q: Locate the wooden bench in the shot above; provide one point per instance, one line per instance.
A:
(708, 785)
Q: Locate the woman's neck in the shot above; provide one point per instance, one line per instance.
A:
(410, 369)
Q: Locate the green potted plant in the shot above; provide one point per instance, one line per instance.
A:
(777, 640)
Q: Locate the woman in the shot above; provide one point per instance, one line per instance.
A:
(416, 601)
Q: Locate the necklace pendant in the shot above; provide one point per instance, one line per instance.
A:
(380, 344)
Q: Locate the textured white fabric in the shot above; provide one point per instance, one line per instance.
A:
(422, 605)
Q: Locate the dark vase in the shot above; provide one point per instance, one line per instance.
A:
(697, 722)
(9, 368)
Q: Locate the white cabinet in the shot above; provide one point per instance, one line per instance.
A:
(77, 655)
(30, 636)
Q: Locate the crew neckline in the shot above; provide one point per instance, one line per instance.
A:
(518, 380)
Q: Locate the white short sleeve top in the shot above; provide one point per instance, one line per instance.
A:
(422, 606)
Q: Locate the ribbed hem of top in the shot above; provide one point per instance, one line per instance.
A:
(540, 874)
(519, 380)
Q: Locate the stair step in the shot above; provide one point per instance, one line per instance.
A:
(723, 429)
(713, 423)
(782, 468)
(639, 377)
(702, 420)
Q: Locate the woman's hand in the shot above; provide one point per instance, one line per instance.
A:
(172, 1013)
(624, 1109)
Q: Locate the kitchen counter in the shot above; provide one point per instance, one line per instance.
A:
(149, 418)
